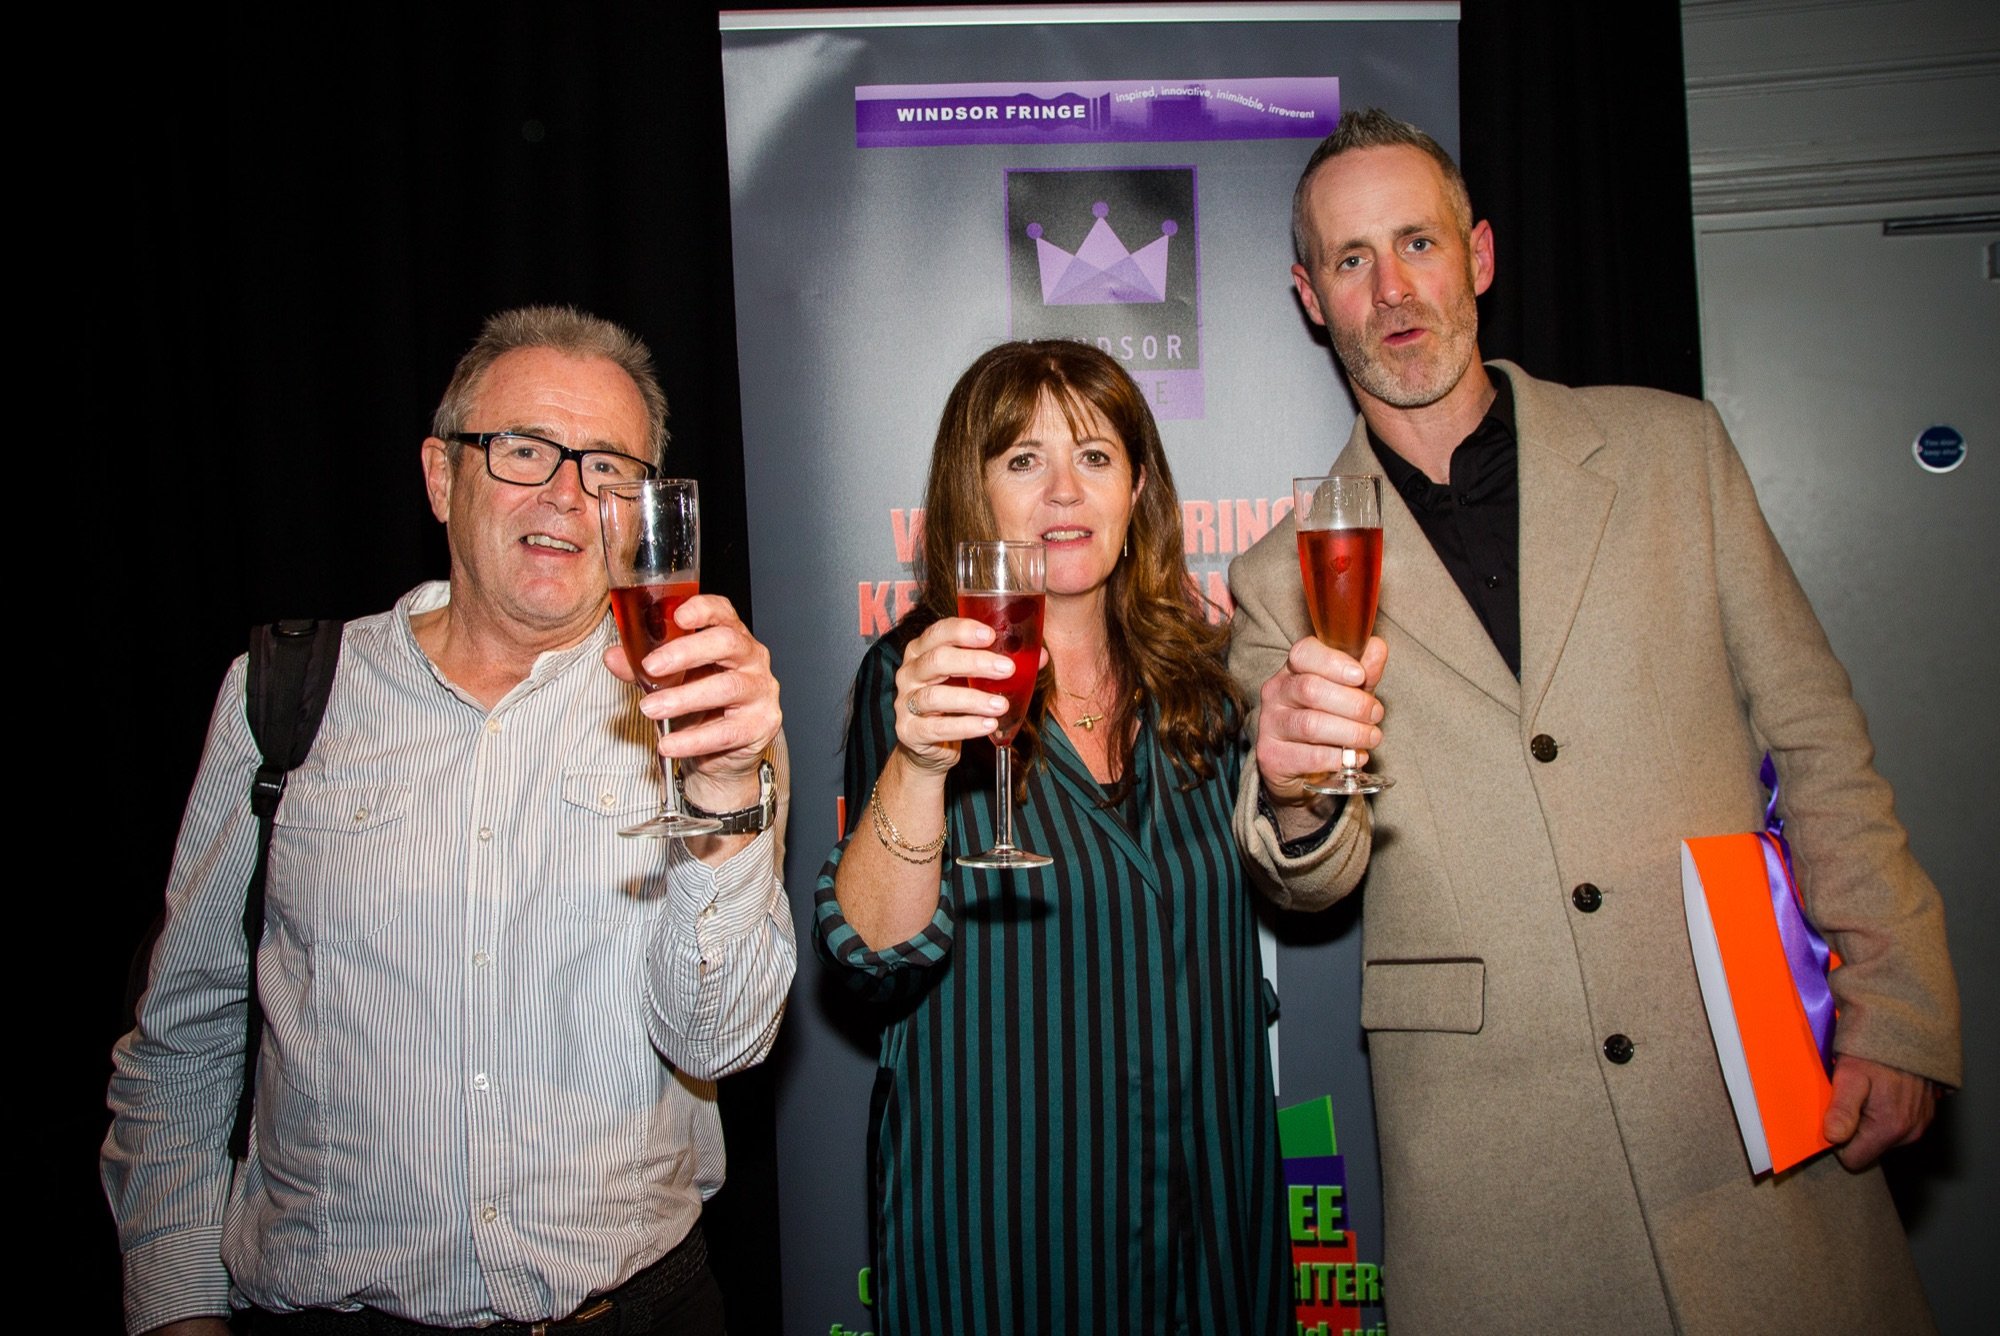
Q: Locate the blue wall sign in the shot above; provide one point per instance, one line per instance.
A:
(1939, 449)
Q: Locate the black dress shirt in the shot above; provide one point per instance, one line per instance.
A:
(1474, 519)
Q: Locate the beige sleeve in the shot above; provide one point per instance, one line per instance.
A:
(1863, 888)
(1259, 642)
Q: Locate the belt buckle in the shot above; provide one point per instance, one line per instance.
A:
(588, 1313)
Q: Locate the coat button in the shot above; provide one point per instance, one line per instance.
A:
(1587, 898)
(1618, 1048)
(1543, 747)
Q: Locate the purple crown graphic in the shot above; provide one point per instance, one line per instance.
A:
(1103, 272)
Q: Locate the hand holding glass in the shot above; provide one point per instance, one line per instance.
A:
(652, 552)
(1000, 584)
(1339, 521)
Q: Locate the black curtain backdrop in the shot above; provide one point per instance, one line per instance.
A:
(1574, 143)
(298, 221)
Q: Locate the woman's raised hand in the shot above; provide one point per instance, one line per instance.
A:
(935, 709)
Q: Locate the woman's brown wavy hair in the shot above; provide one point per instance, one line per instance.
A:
(1163, 649)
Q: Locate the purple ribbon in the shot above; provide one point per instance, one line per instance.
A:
(1806, 952)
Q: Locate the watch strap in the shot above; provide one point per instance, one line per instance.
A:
(744, 820)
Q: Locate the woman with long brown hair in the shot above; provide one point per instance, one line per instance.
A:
(1074, 1126)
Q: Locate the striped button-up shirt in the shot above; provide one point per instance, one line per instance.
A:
(492, 1024)
(1074, 1125)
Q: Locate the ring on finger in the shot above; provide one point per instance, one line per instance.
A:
(911, 705)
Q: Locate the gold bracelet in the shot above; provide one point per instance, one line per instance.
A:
(882, 816)
(884, 833)
(892, 839)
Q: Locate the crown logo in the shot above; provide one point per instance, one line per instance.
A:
(1103, 272)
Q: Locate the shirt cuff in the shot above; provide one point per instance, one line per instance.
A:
(929, 947)
(840, 944)
(1301, 845)
(176, 1276)
(726, 903)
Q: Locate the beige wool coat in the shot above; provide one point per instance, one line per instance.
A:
(1530, 1182)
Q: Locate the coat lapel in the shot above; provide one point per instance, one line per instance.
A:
(1419, 596)
(1564, 510)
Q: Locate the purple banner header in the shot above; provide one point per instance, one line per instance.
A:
(1124, 111)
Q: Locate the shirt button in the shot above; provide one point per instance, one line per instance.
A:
(485, 833)
(1492, 582)
(1618, 1048)
(489, 1213)
(1542, 747)
(479, 1080)
(1586, 897)
(481, 959)
(492, 725)
(360, 814)
(607, 800)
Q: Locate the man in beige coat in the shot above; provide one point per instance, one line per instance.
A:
(1558, 1151)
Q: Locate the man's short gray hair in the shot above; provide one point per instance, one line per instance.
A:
(1374, 128)
(566, 330)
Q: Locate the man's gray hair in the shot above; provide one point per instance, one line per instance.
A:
(1375, 128)
(566, 330)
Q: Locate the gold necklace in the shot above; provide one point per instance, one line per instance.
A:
(1087, 721)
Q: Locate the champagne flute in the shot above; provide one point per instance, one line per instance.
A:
(1000, 584)
(652, 552)
(1339, 521)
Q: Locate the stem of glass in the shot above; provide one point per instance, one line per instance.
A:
(1003, 797)
(670, 799)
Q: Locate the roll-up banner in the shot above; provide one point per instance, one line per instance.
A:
(908, 188)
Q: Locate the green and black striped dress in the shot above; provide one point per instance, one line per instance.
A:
(1074, 1127)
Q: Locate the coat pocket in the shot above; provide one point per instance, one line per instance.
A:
(1448, 995)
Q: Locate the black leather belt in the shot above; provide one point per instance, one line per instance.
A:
(629, 1307)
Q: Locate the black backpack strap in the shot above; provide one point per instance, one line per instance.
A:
(291, 675)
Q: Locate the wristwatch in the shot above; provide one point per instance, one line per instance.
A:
(744, 820)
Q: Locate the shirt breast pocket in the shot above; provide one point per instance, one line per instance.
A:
(340, 858)
(604, 794)
(608, 877)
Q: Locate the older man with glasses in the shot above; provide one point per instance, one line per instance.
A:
(484, 1093)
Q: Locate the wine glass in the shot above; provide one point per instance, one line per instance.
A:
(1339, 521)
(1000, 584)
(652, 552)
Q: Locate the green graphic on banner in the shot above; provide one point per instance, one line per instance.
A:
(1330, 1284)
(862, 1292)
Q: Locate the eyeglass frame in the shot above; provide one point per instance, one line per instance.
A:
(482, 441)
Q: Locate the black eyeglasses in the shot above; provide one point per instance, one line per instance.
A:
(530, 461)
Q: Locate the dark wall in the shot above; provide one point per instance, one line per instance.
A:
(304, 221)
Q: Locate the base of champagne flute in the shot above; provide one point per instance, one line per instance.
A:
(672, 826)
(1005, 856)
(670, 822)
(1349, 784)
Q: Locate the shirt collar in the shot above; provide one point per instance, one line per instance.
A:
(1482, 461)
(434, 594)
